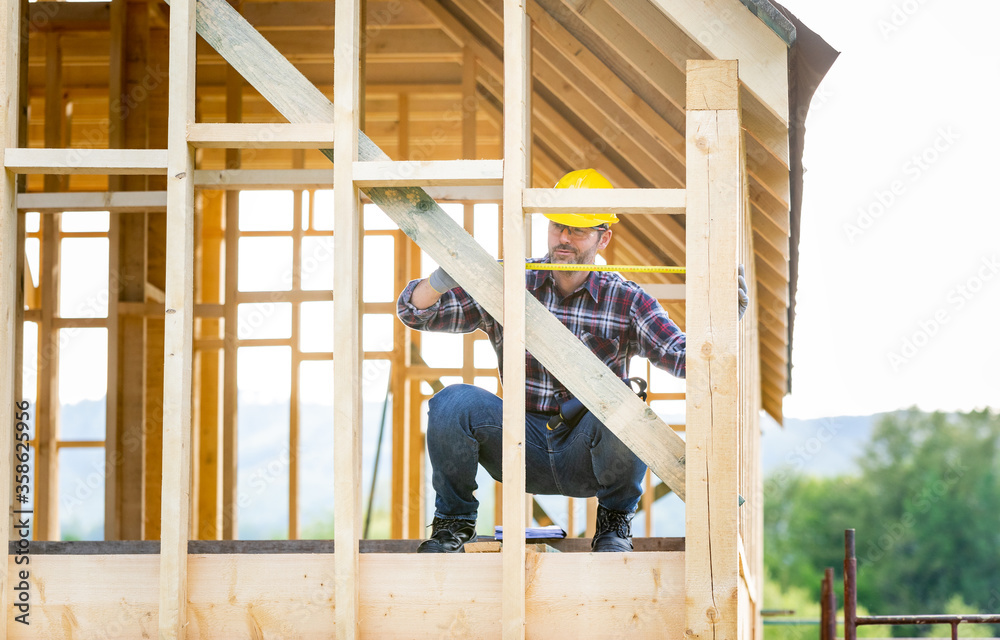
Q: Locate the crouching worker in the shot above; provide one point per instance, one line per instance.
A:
(613, 317)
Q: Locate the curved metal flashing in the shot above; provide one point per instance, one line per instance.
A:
(773, 18)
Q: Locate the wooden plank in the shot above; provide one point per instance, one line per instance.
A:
(234, 157)
(728, 31)
(260, 135)
(347, 319)
(398, 387)
(47, 409)
(415, 485)
(560, 351)
(113, 201)
(229, 371)
(428, 173)
(517, 138)
(295, 396)
(619, 201)
(715, 205)
(88, 161)
(209, 467)
(404, 595)
(241, 179)
(178, 327)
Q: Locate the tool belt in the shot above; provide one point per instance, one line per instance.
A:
(572, 411)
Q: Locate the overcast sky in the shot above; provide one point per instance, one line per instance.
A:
(899, 287)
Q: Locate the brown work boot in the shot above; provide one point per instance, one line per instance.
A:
(614, 531)
(449, 535)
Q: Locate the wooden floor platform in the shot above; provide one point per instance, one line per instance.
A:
(142, 547)
(285, 589)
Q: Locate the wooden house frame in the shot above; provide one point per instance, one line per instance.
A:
(694, 108)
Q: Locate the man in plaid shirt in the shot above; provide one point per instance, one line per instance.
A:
(615, 318)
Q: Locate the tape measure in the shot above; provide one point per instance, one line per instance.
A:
(622, 268)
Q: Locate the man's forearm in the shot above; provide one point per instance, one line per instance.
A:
(424, 295)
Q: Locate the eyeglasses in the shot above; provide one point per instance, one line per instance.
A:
(576, 233)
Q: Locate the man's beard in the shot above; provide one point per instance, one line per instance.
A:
(575, 257)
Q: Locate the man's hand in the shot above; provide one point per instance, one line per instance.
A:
(441, 281)
(742, 293)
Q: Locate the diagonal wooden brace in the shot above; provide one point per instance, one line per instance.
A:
(416, 213)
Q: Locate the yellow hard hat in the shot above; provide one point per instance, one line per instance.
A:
(583, 179)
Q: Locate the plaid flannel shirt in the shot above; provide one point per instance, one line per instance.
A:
(614, 317)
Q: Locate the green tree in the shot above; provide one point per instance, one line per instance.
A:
(926, 507)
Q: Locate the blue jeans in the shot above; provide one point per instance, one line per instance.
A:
(464, 430)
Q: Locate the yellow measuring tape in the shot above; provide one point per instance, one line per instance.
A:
(623, 268)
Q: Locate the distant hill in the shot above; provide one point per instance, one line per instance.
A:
(821, 446)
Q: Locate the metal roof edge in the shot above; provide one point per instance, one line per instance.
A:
(774, 19)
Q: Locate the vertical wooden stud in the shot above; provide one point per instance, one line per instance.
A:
(178, 327)
(347, 320)
(47, 409)
(414, 434)
(515, 179)
(230, 524)
(298, 162)
(209, 469)
(400, 361)
(714, 210)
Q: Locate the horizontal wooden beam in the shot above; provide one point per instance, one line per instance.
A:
(663, 201)
(251, 179)
(114, 201)
(260, 135)
(155, 309)
(402, 595)
(247, 179)
(428, 173)
(87, 161)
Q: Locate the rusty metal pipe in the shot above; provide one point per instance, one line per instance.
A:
(824, 610)
(831, 605)
(850, 587)
(930, 619)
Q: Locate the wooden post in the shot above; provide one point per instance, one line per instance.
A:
(714, 211)
(400, 361)
(414, 435)
(347, 320)
(178, 327)
(298, 160)
(47, 408)
(516, 113)
(10, 23)
(230, 523)
(209, 469)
